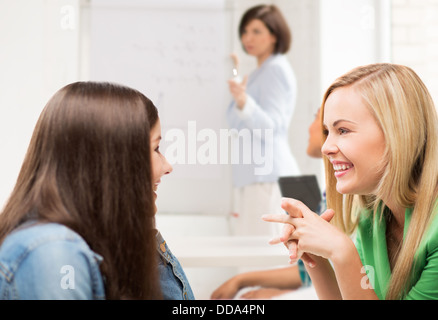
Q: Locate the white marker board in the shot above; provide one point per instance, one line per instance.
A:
(177, 54)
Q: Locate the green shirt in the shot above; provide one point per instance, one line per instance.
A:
(371, 245)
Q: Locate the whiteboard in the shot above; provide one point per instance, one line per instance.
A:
(177, 54)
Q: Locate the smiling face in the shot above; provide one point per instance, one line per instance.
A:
(160, 166)
(258, 40)
(355, 143)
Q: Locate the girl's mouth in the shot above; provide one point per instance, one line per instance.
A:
(342, 169)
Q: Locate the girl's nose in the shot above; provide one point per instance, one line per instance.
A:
(329, 147)
(167, 167)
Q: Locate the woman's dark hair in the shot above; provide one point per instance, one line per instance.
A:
(272, 17)
(88, 167)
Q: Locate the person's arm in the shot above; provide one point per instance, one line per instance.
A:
(282, 278)
(324, 279)
(272, 105)
(342, 281)
(264, 293)
(323, 242)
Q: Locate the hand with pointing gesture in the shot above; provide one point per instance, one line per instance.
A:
(305, 233)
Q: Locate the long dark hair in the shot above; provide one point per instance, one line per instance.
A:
(88, 167)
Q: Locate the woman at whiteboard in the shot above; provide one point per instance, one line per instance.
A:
(262, 108)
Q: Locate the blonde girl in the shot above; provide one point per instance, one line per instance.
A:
(381, 165)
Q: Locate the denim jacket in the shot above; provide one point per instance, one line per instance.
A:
(173, 280)
(48, 261)
(305, 278)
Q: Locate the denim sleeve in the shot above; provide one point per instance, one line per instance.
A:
(305, 279)
(57, 270)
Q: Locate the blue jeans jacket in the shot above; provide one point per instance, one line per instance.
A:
(173, 280)
(305, 278)
(48, 261)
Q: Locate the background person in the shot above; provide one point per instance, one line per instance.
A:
(263, 101)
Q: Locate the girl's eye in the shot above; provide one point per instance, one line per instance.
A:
(343, 131)
(157, 149)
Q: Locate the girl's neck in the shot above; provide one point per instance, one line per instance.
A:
(263, 58)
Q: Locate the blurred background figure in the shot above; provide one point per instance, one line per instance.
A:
(263, 102)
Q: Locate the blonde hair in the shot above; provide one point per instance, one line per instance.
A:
(403, 108)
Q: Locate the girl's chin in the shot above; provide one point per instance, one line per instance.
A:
(342, 189)
(357, 189)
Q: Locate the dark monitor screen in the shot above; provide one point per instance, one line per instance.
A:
(303, 188)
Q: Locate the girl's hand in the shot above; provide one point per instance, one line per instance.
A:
(264, 293)
(227, 290)
(305, 231)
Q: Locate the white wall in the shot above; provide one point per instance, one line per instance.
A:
(415, 39)
(353, 33)
(38, 55)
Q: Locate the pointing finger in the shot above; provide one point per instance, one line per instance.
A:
(283, 218)
(293, 207)
(275, 241)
